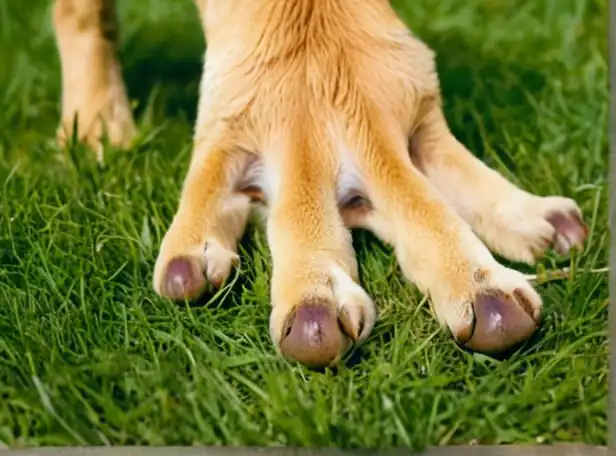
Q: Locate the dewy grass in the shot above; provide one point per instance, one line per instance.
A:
(90, 355)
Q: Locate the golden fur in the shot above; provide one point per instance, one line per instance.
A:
(329, 112)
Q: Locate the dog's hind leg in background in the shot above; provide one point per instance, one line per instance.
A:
(93, 91)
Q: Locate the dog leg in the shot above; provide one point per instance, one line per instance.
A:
(515, 224)
(318, 307)
(487, 307)
(92, 87)
(200, 246)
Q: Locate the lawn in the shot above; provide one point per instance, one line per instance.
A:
(90, 355)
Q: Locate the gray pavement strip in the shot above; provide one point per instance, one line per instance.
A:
(470, 450)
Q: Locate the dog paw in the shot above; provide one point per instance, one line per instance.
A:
(115, 122)
(565, 217)
(318, 331)
(186, 276)
(99, 105)
(527, 229)
(504, 311)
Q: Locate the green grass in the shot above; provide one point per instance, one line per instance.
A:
(90, 355)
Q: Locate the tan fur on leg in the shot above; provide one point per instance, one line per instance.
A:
(201, 244)
(319, 308)
(514, 223)
(92, 87)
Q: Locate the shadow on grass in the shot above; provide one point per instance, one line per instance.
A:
(475, 84)
(166, 57)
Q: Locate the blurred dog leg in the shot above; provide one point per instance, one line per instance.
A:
(93, 92)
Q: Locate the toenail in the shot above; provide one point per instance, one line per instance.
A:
(346, 325)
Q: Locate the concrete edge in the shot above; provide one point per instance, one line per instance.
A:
(471, 450)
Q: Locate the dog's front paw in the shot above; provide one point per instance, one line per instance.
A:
(566, 218)
(319, 330)
(529, 225)
(503, 311)
(185, 273)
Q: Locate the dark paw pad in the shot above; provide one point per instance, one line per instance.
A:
(500, 323)
(312, 335)
(183, 280)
